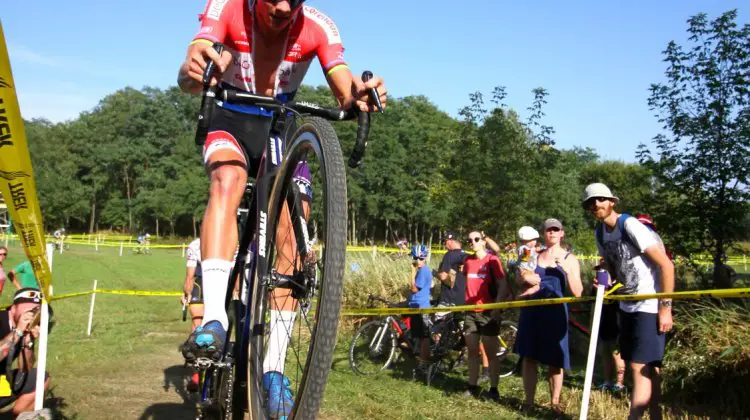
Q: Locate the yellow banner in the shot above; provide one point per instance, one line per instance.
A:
(17, 177)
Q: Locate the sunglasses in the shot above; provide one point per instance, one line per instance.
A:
(3, 254)
(475, 239)
(292, 3)
(593, 200)
(417, 259)
(553, 229)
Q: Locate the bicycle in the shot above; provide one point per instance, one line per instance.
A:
(374, 345)
(142, 249)
(233, 384)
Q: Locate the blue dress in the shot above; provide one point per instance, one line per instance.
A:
(543, 330)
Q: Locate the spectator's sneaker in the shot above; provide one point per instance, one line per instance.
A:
(194, 382)
(493, 395)
(279, 401)
(485, 376)
(617, 388)
(206, 341)
(604, 386)
(472, 392)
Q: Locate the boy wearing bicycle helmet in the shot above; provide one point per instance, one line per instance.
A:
(421, 286)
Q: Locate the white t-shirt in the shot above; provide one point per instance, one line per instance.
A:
(632, 265)
(194, 256)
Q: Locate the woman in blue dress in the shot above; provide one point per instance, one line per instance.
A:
(543, 330)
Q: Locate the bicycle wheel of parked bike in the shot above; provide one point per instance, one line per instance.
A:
(508, 359)
(373, 348)
(313, 273)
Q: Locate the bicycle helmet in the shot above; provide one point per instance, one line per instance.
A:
(419, 251)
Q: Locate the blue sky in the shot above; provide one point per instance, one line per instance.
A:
(596, 58)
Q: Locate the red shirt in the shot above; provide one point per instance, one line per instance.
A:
(478, 278)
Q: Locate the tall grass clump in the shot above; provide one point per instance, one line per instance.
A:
(708, 357)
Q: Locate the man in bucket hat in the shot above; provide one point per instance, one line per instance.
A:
(633, 255)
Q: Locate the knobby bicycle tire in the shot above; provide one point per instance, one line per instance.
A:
(310, 353)
(362, 355)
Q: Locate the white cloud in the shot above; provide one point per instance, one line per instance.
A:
(21, 54)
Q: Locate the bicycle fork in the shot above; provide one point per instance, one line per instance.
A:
(377, 340)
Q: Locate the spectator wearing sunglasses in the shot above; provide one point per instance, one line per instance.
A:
(635, 257)
(421, 286)
(18, 329)
(485, 283)
(22, 276)
(3, 276)
(543, 330)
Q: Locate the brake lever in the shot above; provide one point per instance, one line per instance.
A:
(208, 73)
(373, 92)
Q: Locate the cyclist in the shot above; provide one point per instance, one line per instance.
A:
(143, 242)
(193, 296)
(269, 46)
(59, 235)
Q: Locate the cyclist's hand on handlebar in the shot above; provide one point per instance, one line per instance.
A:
(198, 58)
(361, 93)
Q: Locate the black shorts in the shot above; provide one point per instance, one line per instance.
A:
(481, 323)
(420, 325)
(29, 386)
(609, 328)
(640, 339)
(245, 133)
(196, 296)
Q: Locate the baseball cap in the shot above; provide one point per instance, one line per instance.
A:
(450, 235)
(550, 223)
(27, 295)
(597, 189)
(527, 233)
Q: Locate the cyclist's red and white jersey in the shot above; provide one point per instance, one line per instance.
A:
(194, 256)
(312, 34)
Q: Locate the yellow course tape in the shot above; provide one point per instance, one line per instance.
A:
(719, 293)
(137, 292)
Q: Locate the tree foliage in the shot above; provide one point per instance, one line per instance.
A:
(702, 161)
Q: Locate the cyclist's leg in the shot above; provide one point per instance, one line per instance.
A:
(226, 164)
(228, 176)
(196, 303)
(283, 306)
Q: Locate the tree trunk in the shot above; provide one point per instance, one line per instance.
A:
(127, 194)
(93, 216)
(171, 226)
(354, 227)
(721, 275)
(387, 231)
(195, 228)
(157, 226)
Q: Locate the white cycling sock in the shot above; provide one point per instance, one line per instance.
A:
(282, 324)
(215, 282)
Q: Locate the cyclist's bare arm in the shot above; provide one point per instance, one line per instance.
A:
(347, 87)
(191, 71)
(187, 287)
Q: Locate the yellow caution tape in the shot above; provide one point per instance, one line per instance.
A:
(719, 293)
(137, 292)
(70, 295)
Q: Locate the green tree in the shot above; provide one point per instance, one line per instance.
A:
(701, 168)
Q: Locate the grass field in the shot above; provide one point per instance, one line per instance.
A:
(130, 367)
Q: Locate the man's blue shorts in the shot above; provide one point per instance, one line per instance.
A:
(640, 339)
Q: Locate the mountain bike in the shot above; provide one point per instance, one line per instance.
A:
(270, 259)
(373, 347)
